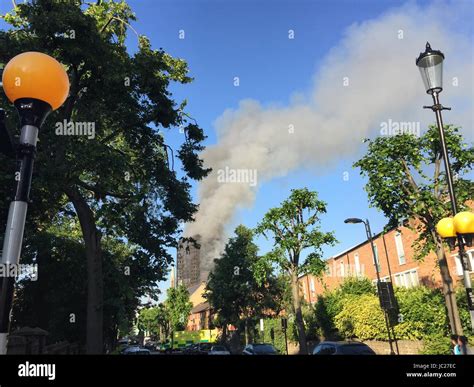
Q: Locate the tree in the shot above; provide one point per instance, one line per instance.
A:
(148, 321)
(295, 228)
(233, 290)
(119, 181)
(178, 308)
(405, 181)
(163, 321)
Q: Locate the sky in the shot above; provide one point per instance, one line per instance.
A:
(284, 81)
(250, 40)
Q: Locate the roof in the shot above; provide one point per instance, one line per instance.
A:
(201, 308)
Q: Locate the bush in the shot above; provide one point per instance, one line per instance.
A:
(436, 345)
(353, 310)
(425, 309)
(361, 317)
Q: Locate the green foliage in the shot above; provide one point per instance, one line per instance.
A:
(179, 307)
(279, 336)
(399, 184)
(361, 317)
(233, 290)
(425, 307)
(463, 308)
(437, 345)
(148, 320)
(357, 286)
(125, 176)
(353, 310)
(295, 227)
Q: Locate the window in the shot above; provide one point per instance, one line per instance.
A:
(407, 279)
(376, 249)
(357, 264)
(341, 265)
(400, 250)
(457, 260)
(311, 285)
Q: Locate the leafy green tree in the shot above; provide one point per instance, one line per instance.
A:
(178, 308)
(163, 321)
(148, 321)
(120, 182)
(406, 181)
(294, 227)
(232, 290)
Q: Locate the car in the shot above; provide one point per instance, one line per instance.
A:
(342, 348)
(150, 345)
(260, 349)
(135, 350)
(201, 349)
(219, 350)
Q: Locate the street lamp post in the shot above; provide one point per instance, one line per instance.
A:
(377, 271)
(36, 84)
(430, 64)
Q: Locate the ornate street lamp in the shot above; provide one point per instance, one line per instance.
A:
(430, 64)
(462, 225)
(36, 84)
(388, 303)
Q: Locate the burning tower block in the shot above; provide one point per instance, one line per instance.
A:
(189, 263)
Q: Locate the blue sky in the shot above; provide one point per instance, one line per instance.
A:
(249, 39)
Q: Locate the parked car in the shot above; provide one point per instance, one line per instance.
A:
(135, 350)
(150, 345)
(201, 349)
(260, 349)
(188, 349)
(342, 348)
(219, 350)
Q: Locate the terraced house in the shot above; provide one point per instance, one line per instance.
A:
(395, 258)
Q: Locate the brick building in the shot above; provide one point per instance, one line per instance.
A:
(395, 260)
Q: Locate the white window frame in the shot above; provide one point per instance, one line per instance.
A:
(357, 264)
(311, 285)
(342, 268)
(400, 249)
(457, 261)
(400, 278)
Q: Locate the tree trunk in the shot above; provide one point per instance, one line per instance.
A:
(448, 289)
(295, 290)
(91, 236)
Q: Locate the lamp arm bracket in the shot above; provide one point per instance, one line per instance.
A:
(436, 107)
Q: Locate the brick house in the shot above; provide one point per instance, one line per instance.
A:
(395, 259)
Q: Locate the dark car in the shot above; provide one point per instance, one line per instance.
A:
(135, 350)
(259, 349)
(202, 349)
(342, 348)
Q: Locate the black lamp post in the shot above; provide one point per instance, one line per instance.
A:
(390, 332)
(36, 84)
(430, 64)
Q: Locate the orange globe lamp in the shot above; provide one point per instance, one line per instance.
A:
(37, 84)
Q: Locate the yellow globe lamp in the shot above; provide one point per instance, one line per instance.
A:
(445, 228)
(37, 84)
(464, 226)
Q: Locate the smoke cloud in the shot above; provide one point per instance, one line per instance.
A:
(368, 78)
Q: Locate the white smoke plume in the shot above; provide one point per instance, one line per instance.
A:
(378, 59)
